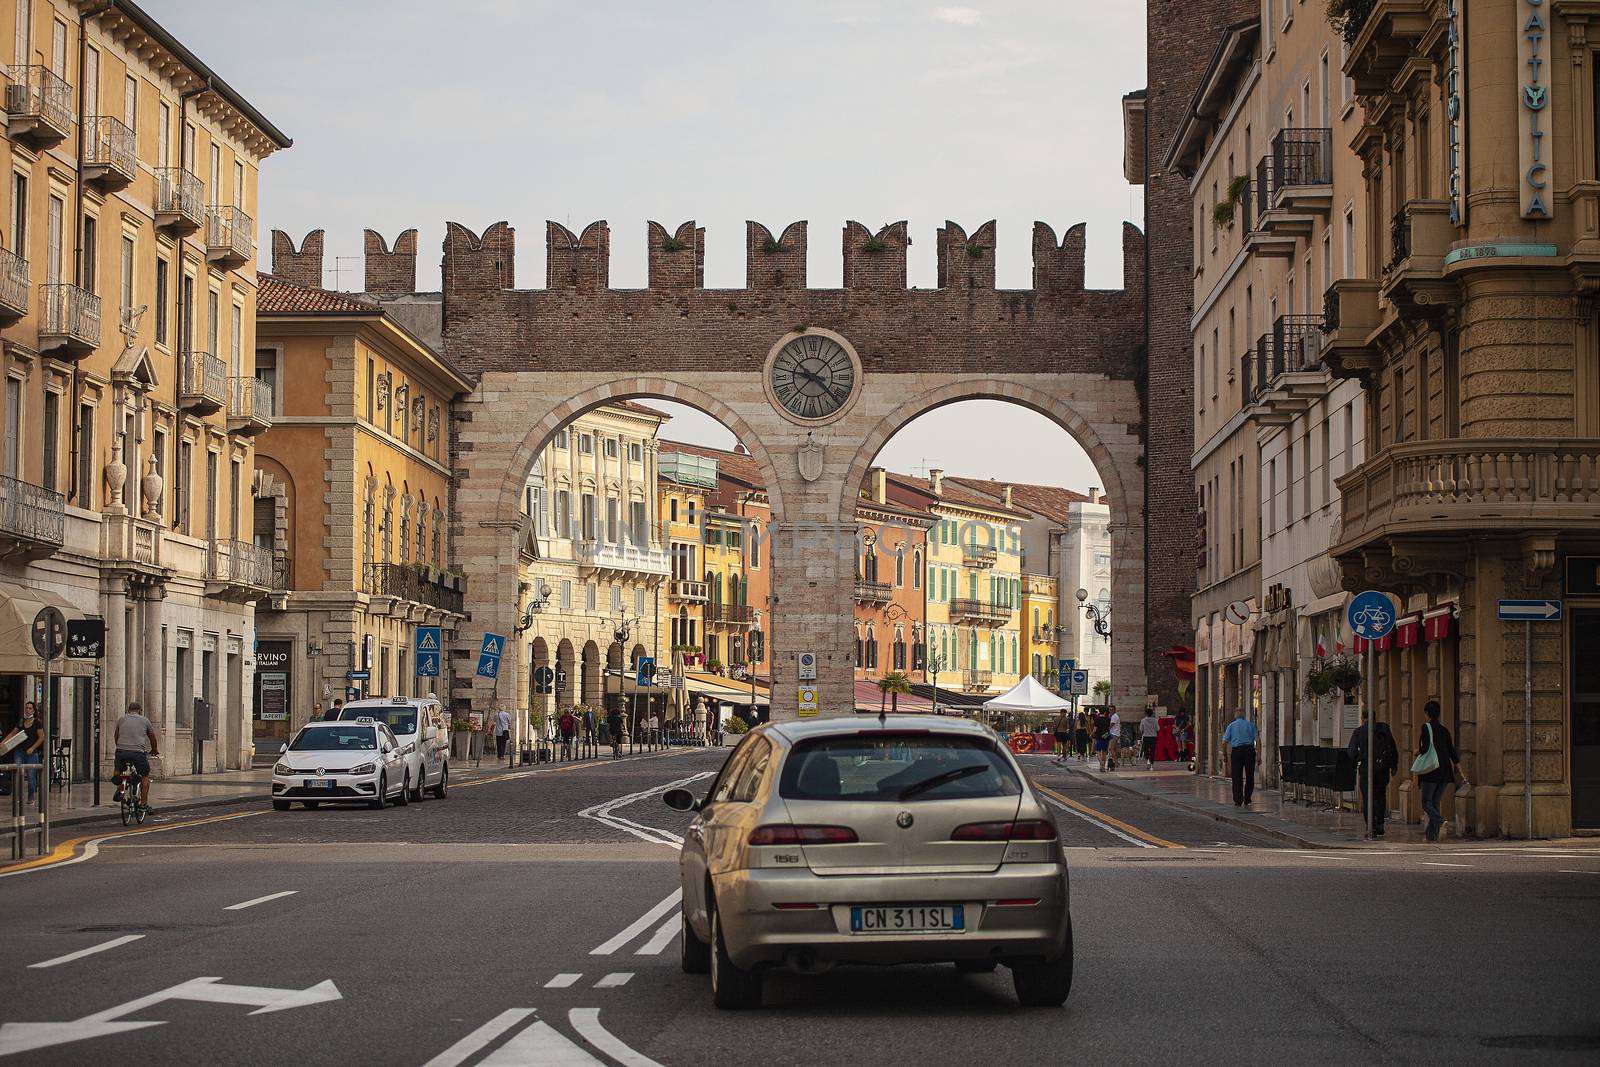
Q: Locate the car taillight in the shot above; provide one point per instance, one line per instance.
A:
(1019, 830)
(803, 835)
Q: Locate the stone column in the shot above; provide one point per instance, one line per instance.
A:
(114, 676)
(812, 612)
(150, 637)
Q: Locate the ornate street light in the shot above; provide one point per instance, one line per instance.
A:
(536, 606)
(1098, 616)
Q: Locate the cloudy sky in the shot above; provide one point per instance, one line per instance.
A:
(411, 114)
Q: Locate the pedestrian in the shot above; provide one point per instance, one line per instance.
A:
(338, 707)
(1080, 736)
(568, 726)
(1102, 735)
(502, 732)
(614, 728)
(1180, 734)
(136, 742)
(29, 745)
(316, 711)
(1063, 736)
(1437, 767)
(1115, 742)
(1239, 742)
(655, 727)
(1149, 729)
(1388, 758)
(713, 725)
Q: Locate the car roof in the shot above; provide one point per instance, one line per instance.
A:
(326, 724)
(801, 729)
(388, 702)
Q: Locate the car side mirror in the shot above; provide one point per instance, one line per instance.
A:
(680, 800)
(283, 748)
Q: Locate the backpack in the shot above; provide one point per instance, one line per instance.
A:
(1388, 755)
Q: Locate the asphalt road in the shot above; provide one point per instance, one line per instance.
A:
(529, 919)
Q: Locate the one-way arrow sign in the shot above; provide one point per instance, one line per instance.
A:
(1530, 610)
(25, 1037)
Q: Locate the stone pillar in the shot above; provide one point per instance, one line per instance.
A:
(150, 637)
(114, 676)
(812, 588)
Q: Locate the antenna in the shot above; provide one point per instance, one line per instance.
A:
(336, 269)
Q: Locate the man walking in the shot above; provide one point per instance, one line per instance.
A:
(1383, 766)
(136, 743)
(1149, 730)
(502, 732)
(333, 712)
(1239, 742)
(1114, 739)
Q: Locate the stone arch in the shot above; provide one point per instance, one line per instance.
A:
(538, 656)
(613, 669)
(520, 462)
(567, 681)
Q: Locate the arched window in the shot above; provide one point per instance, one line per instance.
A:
(1038, 666)
(422, 531)
(438, 534)
(386, 528)
(869, 565)
(899, 567)
(899, 648)
(872, 648)
(858, 646)
(916, 569)
(405, 527)
(369, 524)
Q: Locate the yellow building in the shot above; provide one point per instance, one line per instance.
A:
(352, 496)
(127, 311)
(1039, 630)
(685, 480)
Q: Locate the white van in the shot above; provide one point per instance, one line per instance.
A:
(422, 727)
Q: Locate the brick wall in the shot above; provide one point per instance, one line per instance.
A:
(390, 273)
(1181, 36)
(302, 266)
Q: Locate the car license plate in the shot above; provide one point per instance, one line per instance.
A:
(320, 783)
(917, 918)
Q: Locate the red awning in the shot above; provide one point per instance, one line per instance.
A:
(1436, 624)
(1408, 632)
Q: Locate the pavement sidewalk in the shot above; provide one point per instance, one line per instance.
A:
(1269, 811)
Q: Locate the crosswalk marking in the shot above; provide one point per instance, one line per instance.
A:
(562, 981)
(614, 979)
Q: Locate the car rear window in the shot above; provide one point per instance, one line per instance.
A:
(896, 768)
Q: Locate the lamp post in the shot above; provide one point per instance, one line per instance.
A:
(1099, 617)
(750, 659)
(621, 630)
(537, 603)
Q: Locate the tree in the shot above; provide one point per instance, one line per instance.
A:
(1101, 688)
(892, 685)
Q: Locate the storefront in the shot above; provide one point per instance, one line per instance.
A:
(273, 696)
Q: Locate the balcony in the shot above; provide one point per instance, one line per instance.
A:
(180, 200)
(1477, 486)
(230, 237)
(238, 569)
(32, 520)
(110, 161)
(689, 592)
(622, 559)
(249, 406)
(38, 107)
(979, 612)
(1293, 185)
(1288, 370)
(979, 556)
(1047, 635)
(203, 383)
(976, 681)
(730, 614)
(1381, 35)
(14, 286)
(70, 321)
(873, 592)
(1419, 236)
(411, 584)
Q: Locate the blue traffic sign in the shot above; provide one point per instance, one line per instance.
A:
(1371, 615)
(645, 671)
(429, 642)
(1530, 610)
(493, 645)
(488, 666)
(1064, 676)
(1080, 683)
(358, 676)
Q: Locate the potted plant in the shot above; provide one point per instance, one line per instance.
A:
(460, 738)
(734, 727)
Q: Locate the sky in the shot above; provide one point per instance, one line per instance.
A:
(825, 110)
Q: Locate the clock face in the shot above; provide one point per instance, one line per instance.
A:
(813, 377)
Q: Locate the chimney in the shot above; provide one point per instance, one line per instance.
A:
(880, 485)
(1094, 494)
(1007, 495)
(936, 481)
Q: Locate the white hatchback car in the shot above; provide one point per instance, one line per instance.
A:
(419, 724)
(340, 762)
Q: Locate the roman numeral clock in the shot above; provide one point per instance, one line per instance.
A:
(812, 376)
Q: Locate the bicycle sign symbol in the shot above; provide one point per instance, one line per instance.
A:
(1371, 615)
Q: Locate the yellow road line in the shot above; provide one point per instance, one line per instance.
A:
(1126, 828)
(67, 852)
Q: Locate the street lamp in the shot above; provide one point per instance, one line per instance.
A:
(536, 606)
(1099, 617)
(750, 659)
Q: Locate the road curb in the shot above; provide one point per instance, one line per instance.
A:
(1219, 816)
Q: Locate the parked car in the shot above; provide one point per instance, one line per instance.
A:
(328, 762)
(880, 841)
(423, 730)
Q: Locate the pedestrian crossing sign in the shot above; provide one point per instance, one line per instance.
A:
(493, 645)
(429, 640)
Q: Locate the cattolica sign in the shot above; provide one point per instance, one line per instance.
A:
(1534, 128)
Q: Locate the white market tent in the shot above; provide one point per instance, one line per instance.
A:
(1027, 697)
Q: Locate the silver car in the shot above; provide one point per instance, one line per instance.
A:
(898, 839)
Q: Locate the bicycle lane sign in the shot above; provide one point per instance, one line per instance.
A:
(1371, 615)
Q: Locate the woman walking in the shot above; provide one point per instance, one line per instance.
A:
(1063, 736)
(1437, 767)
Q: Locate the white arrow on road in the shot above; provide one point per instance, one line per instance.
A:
(24, 1037)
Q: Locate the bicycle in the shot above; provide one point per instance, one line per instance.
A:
(130, 808)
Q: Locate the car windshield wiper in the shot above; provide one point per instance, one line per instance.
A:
(952, 775)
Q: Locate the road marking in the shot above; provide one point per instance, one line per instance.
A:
(1109, 823)
(463, 1050)
(614, 979)
(540, 1045)
(587, 1022)
(661, 938)
(1436, 863)
(639, 925)
(65, 854)
(260, 900)
(562, 981)
(604, 812)
(576, 766)
(82, 952)
(1578, 872)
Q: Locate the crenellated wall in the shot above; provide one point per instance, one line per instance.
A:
(390, 273)
(302, 266)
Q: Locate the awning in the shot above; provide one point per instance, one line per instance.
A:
(18, 606)
(723, 690)
(869, 698)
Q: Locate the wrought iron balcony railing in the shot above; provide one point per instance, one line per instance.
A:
(873, 592)
(180, 200)
(409, 582)
(977, 680)
(71, 318)
(979, 611)
(109, 156)
(203, 384)
(14, 285)
(249, 405)
(31, 517)
(230, 236)
(1293, 346)
(39, 103)
(731, 614)
(240, 565)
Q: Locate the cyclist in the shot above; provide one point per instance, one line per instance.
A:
(136, 743)
(614, 728)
